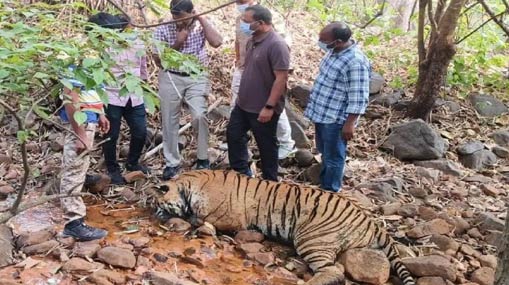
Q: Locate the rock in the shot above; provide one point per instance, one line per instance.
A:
(283, 276)
(390, 209)
(408, 210)
(495, 238)
(478, 179)
(167, 278)
(446, 166)
(177, 225)
(6, 246)
(452, 106)
(312, 173)
(488, 222)
(41, 248)
(479, 160)
(431, 174)
(304, 158)
(445, 243)
(431, 281)
(263, 258)
(143, 261)
(8, 282)
(427, 213)
(501, 137)
(295, 115)
(490, 261)
(5, 159)
(160, 258)
(5, 191)
(431, 265)
(299, 136)
(251, 247)
(490, 190)
(415, 140)
(140, 242)
(470, 147)
(386, 100)
(418, 192)
(300, 94)
(99, 186)
(117, 257)
(487, 105)
(475, 233)
(78, 265)
(134, 176)
(247, 236)
(111, 276)
(460, 224)
(366, 265)
(501, 152)
(86, 249)
(436, 226)
(222, 112)
(376, 82)
(484, 276)
(128, 195)
(206, 230)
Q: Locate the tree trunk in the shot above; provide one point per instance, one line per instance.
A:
(502, 276)
(434, 60)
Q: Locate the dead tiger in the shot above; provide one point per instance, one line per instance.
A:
(320, 224)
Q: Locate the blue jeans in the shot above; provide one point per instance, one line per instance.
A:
(332, 146)
(137, 122)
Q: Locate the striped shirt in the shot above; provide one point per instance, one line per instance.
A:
(194, 44)
(341, 87)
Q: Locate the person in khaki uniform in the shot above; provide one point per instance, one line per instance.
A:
(284, 131)
(188, 37)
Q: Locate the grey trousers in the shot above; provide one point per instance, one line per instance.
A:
(194, 92)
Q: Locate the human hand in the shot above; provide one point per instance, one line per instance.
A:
(182, 35)
(348, 130)
(104, 124)
(265, 115)
(82, 143)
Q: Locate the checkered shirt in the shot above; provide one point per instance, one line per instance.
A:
(341, 87)
(194, 44)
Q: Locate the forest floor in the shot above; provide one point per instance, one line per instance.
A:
(454, 214)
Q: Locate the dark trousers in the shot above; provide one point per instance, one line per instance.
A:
(266, 139)
(137, 121)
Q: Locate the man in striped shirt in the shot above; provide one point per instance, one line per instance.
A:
(339, 96)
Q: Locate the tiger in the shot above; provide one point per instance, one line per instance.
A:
(320, 224)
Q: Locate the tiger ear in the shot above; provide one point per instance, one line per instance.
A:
(163, 188)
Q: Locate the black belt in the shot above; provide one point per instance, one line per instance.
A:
(179, 73)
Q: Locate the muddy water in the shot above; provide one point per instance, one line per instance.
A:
(206, 260)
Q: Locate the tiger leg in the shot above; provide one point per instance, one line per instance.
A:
(322, 263)
(329, 275)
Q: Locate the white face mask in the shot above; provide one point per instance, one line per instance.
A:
(242, 7)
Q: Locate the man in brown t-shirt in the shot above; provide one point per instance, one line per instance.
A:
(260, 100)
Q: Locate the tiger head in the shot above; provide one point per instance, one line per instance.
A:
(172, 203)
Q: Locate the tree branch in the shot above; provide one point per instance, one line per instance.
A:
(494, 17)
(377, 15)
(23, 149)
(420, 30)
(118, 7)
(480, 27)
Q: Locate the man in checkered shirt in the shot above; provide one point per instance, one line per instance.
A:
(188, 37)
(339, 96)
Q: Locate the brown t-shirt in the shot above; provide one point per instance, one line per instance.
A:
(263, 56)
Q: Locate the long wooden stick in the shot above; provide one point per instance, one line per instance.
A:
(181, 131)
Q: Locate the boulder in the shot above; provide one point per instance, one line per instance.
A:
(6, 246)
(445, 243)
(484, 276)
(431, 281)
(304, 158)
(300, 95)
(428, 173)
(366, 265)
(110, 276)
(431, 265)
(78, 265)
(487, 105)
(251, 247)
(86, 249)
(501, 152)
(295, 115)
(386, 100)
(299, 136)
(436, 226)
(118, 257)
(41, 248)
(177, 225)
(312, 173)
(415, 140)
(470, 147)
(247, 236)
(98, 185)
(446, 166)
(167, 278)
(488, 222)
(501, 137)
(376, 82)
(28, 239)
(490, 261)
(479, 160)
(219, 113)
(134, 176)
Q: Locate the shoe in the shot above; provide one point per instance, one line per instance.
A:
(169, 172)
(284, 152)
(137, 167)
(82, 232)
(202, 164)
(91, 180)
(117, 178)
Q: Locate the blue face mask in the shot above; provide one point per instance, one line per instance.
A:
(246, 28)
(325, 47)
(242, 7)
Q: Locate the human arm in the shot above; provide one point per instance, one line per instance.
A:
(358, 96)
(82, 143)
(212, 36)
(278, 89)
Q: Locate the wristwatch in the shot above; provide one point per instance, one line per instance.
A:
(270, 107)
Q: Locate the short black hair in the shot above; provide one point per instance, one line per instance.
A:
(341, 31)
(179, 6)
(109, 21)
(261, 13)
